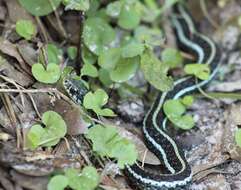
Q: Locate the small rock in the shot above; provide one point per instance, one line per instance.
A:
(133, 111)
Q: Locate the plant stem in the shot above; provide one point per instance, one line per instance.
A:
(221, 95)
(79, 59)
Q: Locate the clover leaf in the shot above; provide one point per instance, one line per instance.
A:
(79, 5)
(172, 57)
(40, 8)
(113, 9)
(72, 52)
(54, 54)
(124, 152)
(201, 71)
(129, 17)
(120, 69)
(238, 137)
(100, 136)
(125, 69)
(88, 179)
(107, 142)
(89, 70)
(104, 77)
(96, 100)
(55, 129)
(58, 182)
(132, 49)
(187, 100)
(49, 75)
(98, 35)
(174, 111)
(149, 36)
(26, 29)
(108, 59)
(155, 72)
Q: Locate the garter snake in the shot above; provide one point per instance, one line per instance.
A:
(176, 172)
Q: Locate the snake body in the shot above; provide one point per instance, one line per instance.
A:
(175, 173)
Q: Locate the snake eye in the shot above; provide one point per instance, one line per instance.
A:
(76, 89)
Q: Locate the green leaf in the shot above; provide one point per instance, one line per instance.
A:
(89, 70)
(129, 17)
(114, 9)
(155, 72)
(98, 35)
(150, 36)
(100, 137)
(185, 122)
(125, 69)
(58, 182)
(26, 29)
(79, 5)
(201, 71)
(87, 180)
(108, 59)
(174, 111)
(40, 8)
(72, 52)
(238, 137)
(49, 76)
(107, 142)
(125, 152)
(187, 101)
(104, 77)
(173, 108)
(95, 101)
(54, 54)
(132, 49)
(88, 56)
(172, 57)
(55, 129)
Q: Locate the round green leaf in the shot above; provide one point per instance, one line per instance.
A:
(34, 136)
(132, 49)
(125, 69)
(108, 59)
(72, 52)
(98, 35)
(55, 128)
(54, 54)
(104, 77)
(129, 17)
(58, 182)
(183, 122)
(114, 9)
(173, 108)
(172, 57)
(201, 71)
(50, 75)
(155, 71)
(79, 5)
(26, 29)
(87, 180)
(187, 100)
(174, 111)
(40, 7)
(88, 56)
(89, 70)
(151, 36)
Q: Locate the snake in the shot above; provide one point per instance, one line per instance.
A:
(174, 171)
